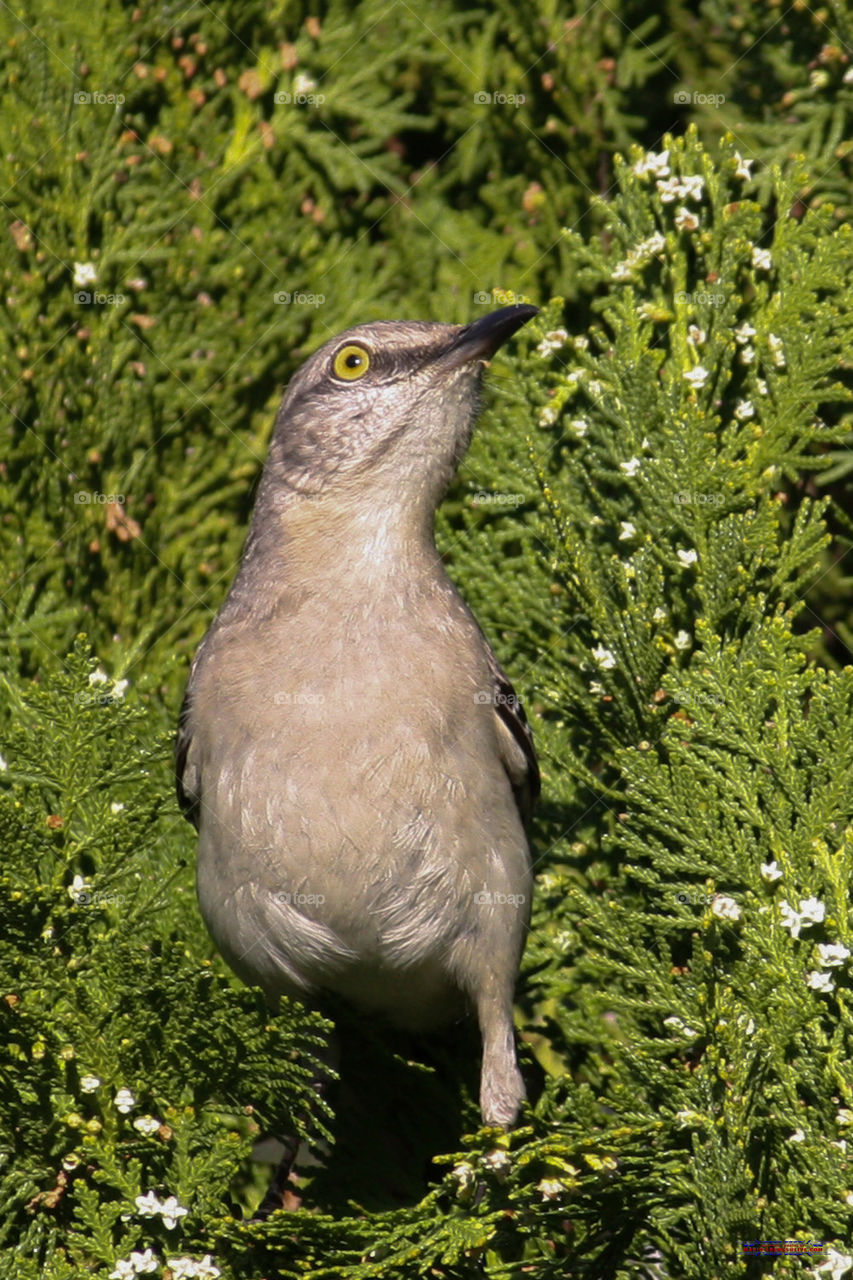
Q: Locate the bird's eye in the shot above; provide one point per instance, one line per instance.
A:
(351, 362)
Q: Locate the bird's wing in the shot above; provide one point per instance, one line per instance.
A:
(517, 750)
(187, 774)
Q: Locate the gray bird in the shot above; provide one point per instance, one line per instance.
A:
(356, 762)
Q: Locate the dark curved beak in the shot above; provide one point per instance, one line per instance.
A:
(480, 340)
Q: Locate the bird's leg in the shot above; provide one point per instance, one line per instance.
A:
(502, 1089)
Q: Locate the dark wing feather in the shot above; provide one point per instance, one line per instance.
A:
(186, 775)
(519, 753)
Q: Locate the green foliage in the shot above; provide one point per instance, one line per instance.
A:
(650, 526)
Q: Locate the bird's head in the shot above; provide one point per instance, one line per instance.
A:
(384, 411)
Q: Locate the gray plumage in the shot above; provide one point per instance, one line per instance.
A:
(354, 758)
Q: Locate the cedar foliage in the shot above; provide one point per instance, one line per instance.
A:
(650, 526)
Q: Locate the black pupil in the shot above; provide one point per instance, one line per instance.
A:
(352, 361)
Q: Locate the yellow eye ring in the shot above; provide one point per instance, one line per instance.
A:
(351, 362)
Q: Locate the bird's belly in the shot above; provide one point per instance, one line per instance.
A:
(353, 873)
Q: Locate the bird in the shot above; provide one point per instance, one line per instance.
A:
(358, 766)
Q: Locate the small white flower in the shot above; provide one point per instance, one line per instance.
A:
(692, 186)
(696, 377)
(832, 954)
(770, 871)
(604, 657)
(98, 677)
(125, 1101)
(790, 919)
(84, 273)
(844, 1118)
(148, 1206)
(812, 910)
(621, 272)
(123, 1270)
(655, 243)
(579, 426)
(688, 557)
(116, 807)
(497, 1161)
(464, 1175)
(669, 189)
(659, 615)
(725, 908)
(581, 343)
(171, 1211)
(682, 640)
(3, 765)
(146, 1124)
(744, 409)
(88, 1084)
(595, 686)
(836, 1264)
(190, 1269)
(743, 166)
(144, 1263)
(819, 981)
(797, 1136)
(550, 1188)
(77, 886)
(656, 163)
(119, 688)
(761, 259)
(627, 530)
(696, 335)
(552, 342)
(743, 333)
(776, 350)
(631, 467)
(303, 83)
(761, 386)
(548, 415)
(747, 355)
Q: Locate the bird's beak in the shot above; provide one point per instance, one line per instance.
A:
(480, 340)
